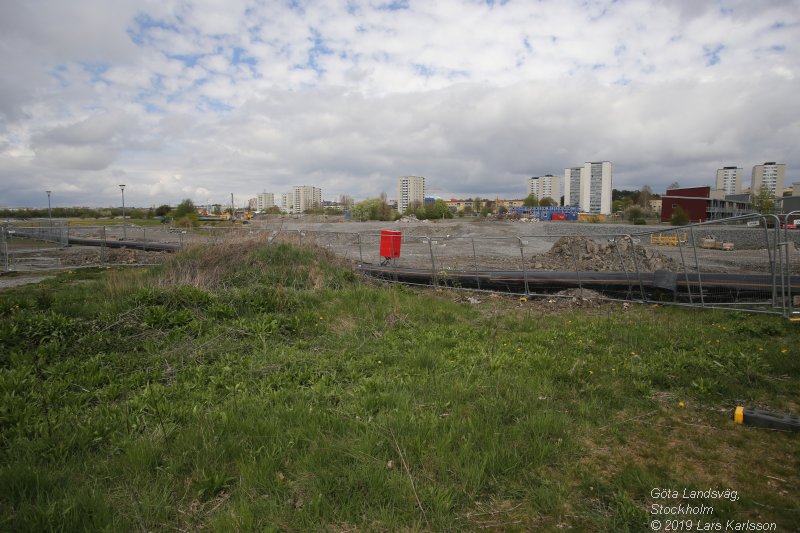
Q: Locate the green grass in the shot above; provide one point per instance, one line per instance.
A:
(251, 388)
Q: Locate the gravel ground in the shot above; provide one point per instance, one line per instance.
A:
(460, 244)
(17, 281)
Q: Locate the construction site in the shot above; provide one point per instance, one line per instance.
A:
(743, 265)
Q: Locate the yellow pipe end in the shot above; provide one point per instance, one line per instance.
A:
(738, 416)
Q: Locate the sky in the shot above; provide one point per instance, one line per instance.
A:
(202, 99)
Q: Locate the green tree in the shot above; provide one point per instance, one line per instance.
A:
(162, 210)
(634, 214)
(764, 201)
(531, 201)
(679, 217)
(186, 214)
(372, 209)
(184, 208)
(547, 202)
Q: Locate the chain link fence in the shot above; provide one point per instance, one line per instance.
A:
(749, 262)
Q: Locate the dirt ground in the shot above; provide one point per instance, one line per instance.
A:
(454, 244)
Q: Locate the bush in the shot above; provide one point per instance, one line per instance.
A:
(679, 217)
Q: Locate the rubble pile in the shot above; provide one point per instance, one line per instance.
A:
(585, 254)
(84, 256)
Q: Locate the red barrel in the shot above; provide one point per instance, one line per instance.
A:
(390, 243)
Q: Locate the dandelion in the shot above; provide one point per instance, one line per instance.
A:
(634, 354)
(784, 350)
(681, 405)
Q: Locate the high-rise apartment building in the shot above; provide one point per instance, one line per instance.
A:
(306, 197)
(729, 180)
(410, 191)
(264, 200)
(572, 186)
(595, 186)
(769, 176)
(547, 186)
(287, 202)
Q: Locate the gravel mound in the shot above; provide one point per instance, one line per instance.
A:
(587, 255)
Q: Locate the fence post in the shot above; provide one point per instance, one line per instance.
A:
(624, 268)
(789, 243)
(779, 255)
(771, 258)
(524, 268)
(575, 263)
(636, 267)
(685, 272)
(697, 268)
(103, 248)
(475, 263)
(5, 248)
(433, 263)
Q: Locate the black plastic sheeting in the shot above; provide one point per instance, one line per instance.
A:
(680, 285)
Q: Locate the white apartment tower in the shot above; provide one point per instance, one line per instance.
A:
(595, 187)
(770, 176)
(264, 200)
(572, 186)
(306, 197)
(547, 186)
(410, 191)
(729, 180)
(287, 202)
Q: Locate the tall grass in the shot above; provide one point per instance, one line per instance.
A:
(255, 387)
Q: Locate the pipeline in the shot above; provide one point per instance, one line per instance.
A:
(679, 284)
(78, 241)
(136, 245)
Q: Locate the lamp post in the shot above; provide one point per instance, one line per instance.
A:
(124, 231)
(49, 213)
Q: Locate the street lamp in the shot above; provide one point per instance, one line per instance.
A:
(124, 231)
(49, 213)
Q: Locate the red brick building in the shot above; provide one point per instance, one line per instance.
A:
(702, 204)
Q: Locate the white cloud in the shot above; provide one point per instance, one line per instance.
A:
(203, 98)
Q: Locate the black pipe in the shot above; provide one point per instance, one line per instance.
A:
(514, 281)
(136, 245)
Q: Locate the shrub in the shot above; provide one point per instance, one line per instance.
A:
(679, 217)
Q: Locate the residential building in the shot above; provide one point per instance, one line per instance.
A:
(547, 186)
(287, 202)
(572, 186)
(703, 203)
(410, 191)
(264, 201)
(729, 180)
(595, 187)
(306, 197)
(655, 205)
(252, 204)
(770, 176)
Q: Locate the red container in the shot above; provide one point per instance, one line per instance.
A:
(390, 243)
(559, 216)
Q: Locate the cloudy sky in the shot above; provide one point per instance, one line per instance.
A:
(203, 98)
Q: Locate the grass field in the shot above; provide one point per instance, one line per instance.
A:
(243, 387)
